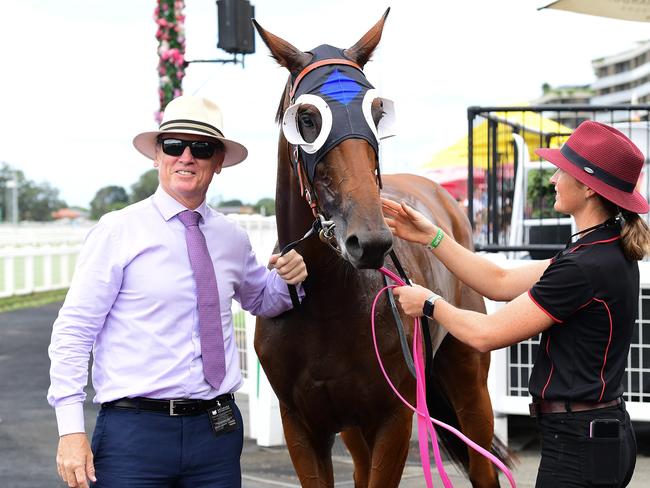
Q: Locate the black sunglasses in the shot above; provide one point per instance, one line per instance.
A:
(199, 149)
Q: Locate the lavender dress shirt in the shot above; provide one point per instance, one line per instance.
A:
(133, 303)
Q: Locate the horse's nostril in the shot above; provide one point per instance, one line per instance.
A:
(368, 252)
(353, 247)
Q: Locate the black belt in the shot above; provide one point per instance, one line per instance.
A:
(540, 407)
(172, 407)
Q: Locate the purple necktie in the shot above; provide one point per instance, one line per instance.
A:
(214, 362)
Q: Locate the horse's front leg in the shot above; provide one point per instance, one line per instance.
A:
(389, 447)
(311, 452)
(358, 447)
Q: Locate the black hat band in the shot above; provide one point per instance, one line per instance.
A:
(592, 169)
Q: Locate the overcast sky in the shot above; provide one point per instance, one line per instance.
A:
(79, 77)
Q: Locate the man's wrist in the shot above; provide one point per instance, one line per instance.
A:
(70, 418)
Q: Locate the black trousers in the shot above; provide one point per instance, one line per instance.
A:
(570, 458)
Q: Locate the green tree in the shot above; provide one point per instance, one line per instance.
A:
(36, 201)
(265, 206)
(541, 194)
(145, 186)
(231, 203)
(107, 199)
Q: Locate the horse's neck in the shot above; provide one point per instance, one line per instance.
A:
(292, 213)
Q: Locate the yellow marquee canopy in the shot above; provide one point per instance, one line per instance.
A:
(534, 128)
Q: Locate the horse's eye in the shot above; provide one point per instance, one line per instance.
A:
(306, 120)
(309, 122)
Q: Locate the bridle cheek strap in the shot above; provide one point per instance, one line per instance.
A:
(306, 191)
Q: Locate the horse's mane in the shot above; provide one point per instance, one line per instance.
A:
(284, 101)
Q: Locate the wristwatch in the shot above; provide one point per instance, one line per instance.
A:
(429, 305)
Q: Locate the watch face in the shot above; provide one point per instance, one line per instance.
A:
(428, 308)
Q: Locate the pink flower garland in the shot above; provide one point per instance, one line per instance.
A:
(171, 49)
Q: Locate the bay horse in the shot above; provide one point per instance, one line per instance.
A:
(319, 357)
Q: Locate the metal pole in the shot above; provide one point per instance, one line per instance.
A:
(493, 182)
(13, 186)
(470, 166)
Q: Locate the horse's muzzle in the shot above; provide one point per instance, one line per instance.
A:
(367, 250)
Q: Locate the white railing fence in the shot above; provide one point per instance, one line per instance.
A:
(41, 234)
(38, 257)
(265, 425)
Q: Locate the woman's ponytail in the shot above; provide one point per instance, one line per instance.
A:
(635, 237)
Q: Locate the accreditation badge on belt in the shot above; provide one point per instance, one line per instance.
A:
(222, 419)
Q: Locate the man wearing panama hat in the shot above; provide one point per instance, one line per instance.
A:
(584, 302)
(151, 297)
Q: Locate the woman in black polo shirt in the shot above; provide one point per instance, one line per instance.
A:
(584, 302)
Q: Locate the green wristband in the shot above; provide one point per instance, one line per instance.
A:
(437, 239)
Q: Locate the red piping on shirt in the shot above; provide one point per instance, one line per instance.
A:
(548, 381)
(609, 341)
(543, 309)
(611, 239)
(548, 339)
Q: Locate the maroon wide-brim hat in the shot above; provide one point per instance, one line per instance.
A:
(604, 159)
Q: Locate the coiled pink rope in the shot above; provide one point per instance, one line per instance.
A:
(425, 421)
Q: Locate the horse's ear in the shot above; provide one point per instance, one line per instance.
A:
(284, 53)
(362, 50)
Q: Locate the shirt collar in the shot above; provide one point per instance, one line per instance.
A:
(601, 234)
(169, 207)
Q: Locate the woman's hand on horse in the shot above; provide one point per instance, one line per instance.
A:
(291, 267)
(411, 298)
(406, 222)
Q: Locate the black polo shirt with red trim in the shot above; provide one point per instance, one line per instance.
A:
(591, 291)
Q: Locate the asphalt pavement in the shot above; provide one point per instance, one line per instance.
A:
(28, 435)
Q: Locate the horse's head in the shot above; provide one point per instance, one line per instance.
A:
(332, 121)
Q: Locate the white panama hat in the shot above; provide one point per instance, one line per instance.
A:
(188, 114)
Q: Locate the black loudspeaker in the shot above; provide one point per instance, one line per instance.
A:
(236, 34)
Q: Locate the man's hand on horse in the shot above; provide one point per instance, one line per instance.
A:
(291, 267)
(406, 222)
(411, 298)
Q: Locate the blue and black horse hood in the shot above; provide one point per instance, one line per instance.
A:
(344, 97)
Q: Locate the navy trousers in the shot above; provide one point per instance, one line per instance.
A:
(140, 449)
(570, 458)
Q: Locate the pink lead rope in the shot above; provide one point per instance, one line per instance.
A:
(426, 429)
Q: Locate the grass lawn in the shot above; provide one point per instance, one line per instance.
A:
(32, 300)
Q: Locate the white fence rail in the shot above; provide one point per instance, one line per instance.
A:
(38, 257)
(30, 269)
(39, 265)
(35, 235)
